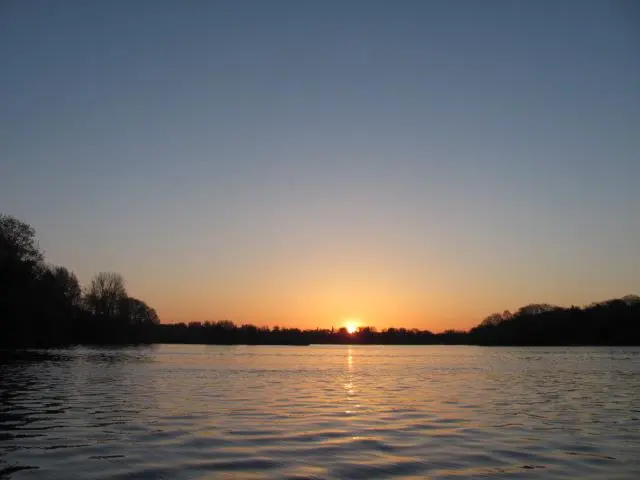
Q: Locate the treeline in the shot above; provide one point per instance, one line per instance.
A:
(227, 333)
(613, 322)
(43, 305)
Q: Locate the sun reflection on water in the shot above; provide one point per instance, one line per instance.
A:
(349, 386)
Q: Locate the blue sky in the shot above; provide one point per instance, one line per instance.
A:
(297, 163)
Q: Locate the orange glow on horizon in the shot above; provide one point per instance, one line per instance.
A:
(351, 325)
(323, 299)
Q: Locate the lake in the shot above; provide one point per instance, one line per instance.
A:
(191, 411)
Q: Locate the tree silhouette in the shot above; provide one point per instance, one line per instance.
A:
(139, 320)
(68, 284)
(43, 305)
(21, 268)
(18, 243)
(105, 295)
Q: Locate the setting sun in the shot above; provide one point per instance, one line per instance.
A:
(351, 325)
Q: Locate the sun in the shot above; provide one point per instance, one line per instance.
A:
(351, 324)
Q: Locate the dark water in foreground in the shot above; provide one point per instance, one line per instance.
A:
(179, 412)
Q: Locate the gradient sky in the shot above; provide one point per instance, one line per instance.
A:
(410, 163)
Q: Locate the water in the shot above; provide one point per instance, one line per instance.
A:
(182, 412)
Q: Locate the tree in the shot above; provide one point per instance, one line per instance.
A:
(492, 320)
(20, 273)
(631, 300)
(136, 312)
(68, 285)
(18, 242)
(137, 321)
(105, 295)
(535, 309)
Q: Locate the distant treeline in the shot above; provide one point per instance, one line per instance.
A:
(43, 305)
(614, 322)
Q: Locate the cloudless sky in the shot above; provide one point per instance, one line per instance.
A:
(409, 163)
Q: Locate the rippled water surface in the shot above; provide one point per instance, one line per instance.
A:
(320, 412)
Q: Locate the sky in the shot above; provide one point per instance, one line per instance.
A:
(298, 163)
